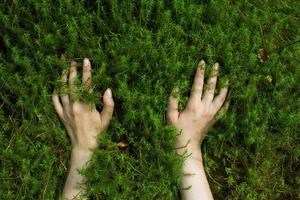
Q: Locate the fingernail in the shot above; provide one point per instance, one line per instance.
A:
(176, 89)
(108, 92)
(216, 66)
(86, 62)
(201, 64)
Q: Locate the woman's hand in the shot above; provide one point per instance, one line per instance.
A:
(193, 123)
(82, 121)
(199, 114)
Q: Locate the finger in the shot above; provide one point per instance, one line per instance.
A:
(198, 82)
(72, 78)
(220, 98)
(87, 74)
(65, 100)
(223, 110)
(226, 105)
(108, 108)
(64, 77)
(64, 97)
(73, 73)
(62, 57)
(209, 93)
(57, 105)
(172, 110)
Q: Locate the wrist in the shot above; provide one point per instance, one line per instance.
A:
(85, 147)
(81, 149)
(191, 151)
(80, 155)
(189, 144)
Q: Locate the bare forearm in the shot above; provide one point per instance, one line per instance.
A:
(194, 183)
(74, 184)
(83, 123)
(192, 124)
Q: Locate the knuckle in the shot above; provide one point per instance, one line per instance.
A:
(109, 107)
(72, 69)
(197, 88)
(207, 115)
(192, 107)
(197, 81)
(171, 117)
(110, 104)
(76, 110)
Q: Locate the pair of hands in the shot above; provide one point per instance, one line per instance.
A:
(83, 122)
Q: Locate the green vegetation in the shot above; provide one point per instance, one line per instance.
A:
(142, 49)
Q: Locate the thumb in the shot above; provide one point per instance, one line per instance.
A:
(172, 111)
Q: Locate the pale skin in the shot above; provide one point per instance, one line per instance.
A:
(192, 124)
(83, 124)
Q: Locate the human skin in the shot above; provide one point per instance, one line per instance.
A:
(192, 124)
(83, 124)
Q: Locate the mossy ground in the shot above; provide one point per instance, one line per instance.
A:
(142, 49)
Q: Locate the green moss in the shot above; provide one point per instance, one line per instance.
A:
(142, 49)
